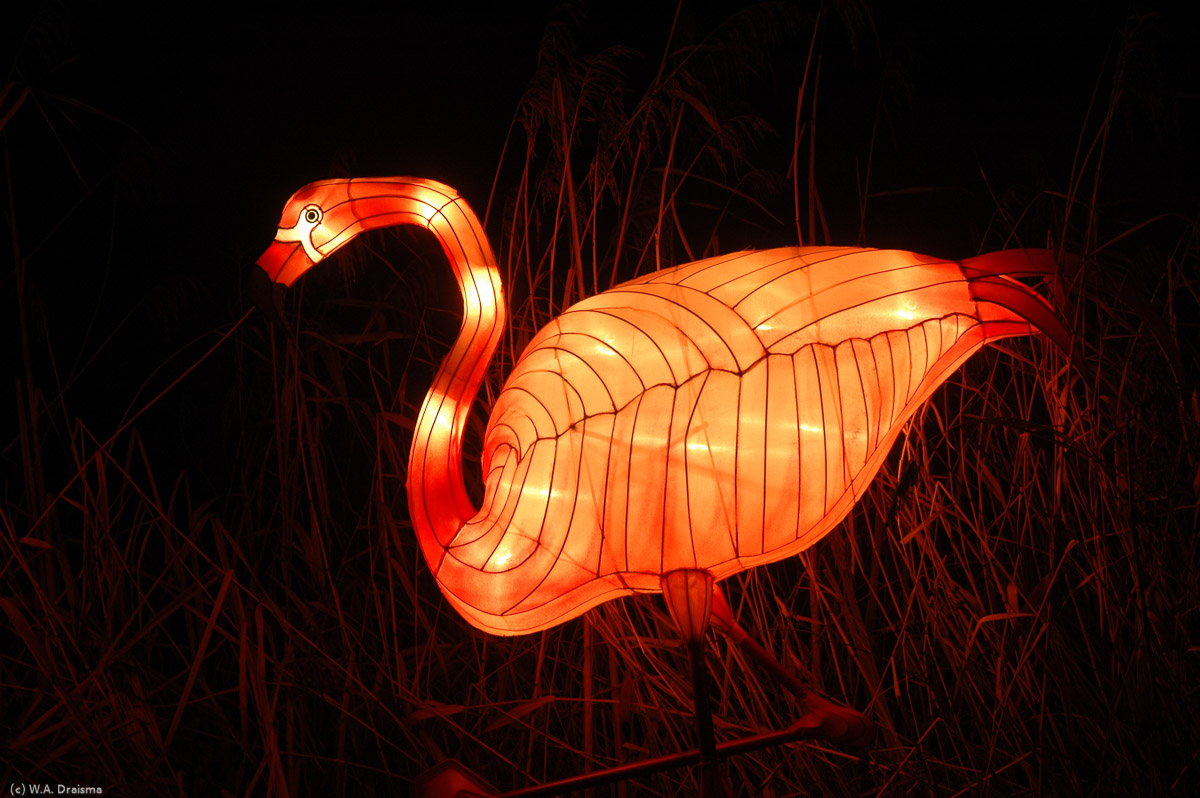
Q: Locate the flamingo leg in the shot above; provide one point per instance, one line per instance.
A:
(828, 720)
(689, 597)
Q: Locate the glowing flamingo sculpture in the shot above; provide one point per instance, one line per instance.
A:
(676, 429)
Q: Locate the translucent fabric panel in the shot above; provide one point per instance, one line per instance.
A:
(750, 421)
(645, 474)
(781, 466)
(710, 456)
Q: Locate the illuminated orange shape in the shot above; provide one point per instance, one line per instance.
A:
(711, 417)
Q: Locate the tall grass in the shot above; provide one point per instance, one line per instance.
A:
(1014, 600)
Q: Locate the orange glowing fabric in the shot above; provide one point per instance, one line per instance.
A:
(714, 416)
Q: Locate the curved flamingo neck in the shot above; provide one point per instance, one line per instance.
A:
(437, 495)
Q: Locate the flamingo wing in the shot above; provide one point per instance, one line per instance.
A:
(716, 416)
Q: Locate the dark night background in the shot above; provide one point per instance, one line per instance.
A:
(149, 149)
(149, 163)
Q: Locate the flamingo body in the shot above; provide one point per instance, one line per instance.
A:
(711, 417)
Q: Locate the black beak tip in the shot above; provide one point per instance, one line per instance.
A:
(267, 296)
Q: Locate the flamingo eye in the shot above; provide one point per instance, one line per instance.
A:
(311, 214)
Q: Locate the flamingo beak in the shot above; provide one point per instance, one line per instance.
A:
(275, 270)
(284, 262)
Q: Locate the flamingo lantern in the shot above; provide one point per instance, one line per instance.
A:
(676, 429)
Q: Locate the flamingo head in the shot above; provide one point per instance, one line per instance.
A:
(316, 221)
(324, 216)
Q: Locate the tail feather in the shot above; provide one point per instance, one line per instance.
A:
(992, 280)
